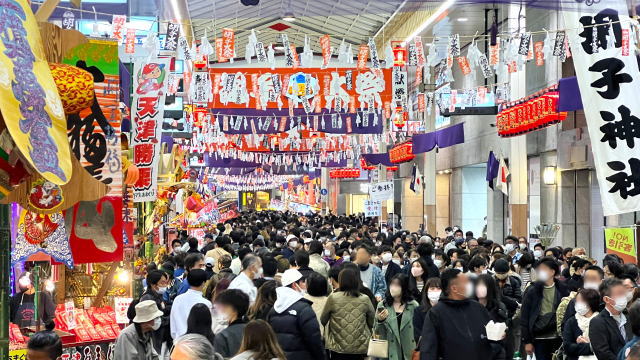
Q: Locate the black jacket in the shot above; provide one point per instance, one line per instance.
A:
(455, 330)
(228, 341)
(511, 294)
(575, 283)
(392, 270)
(298, 331)
(605, 336)
(531, 302)
(572, 349)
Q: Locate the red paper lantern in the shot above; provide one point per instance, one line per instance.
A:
(401, 117)
(529, 115)
(399, 53)
(402, 153)
(344, 173)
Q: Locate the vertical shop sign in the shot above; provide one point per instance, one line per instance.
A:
(148, 104)
(228, 43)
(130, 44)
(173, 33)
(325, 45)
(362, 57)
(608, 84)
(117, 26)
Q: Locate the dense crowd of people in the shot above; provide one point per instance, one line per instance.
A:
(273, 285)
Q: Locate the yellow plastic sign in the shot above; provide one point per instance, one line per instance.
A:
(29, 98)
(621, 241)
(18, 354)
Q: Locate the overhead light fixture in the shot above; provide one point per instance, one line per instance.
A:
(288, 16)
(463, 19)
(549, 175)
(435, 16)
(250, 2)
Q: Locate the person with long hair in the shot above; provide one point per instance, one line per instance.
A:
(418, 278)
(430, 298)
(264, 302)
(259, 343)
(199, 322)
(352, 310)
(394, 317)
(317, 293)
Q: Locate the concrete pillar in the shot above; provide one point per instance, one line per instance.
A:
(518, 144)
(429, 175)
(324, 184)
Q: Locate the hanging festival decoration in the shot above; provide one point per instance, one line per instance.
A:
(608, 76)
(40, 233)
(117, 27)
(344, 173)
(29, 99)
(172, 36)
(148, 112)
(399, 53)
(529, 114)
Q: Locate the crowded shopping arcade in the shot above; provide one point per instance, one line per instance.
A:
(319, 179)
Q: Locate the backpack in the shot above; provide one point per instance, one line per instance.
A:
(562, 309)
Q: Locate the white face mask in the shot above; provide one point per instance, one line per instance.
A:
(346, 258)
(581, 308)
(397, 261)
(543, 275)
(485, 271)
(629, 295)
(621, 303)
(469, 290)
(327, 253)
(162, 290)
(395, 290)
(258, 273)
(438, 263)
(434, 295)
(537, 253)
(591, 285)
(386, 257)
(523, 246)
(459, 268)
(293, 244)
(509, 247)
(157, 322)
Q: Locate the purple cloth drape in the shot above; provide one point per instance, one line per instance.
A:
(255, 116)
(570, 97)
(443, 138)
(376, 159)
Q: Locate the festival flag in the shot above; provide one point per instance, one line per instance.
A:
(503, 176)
(416, 180)
(492, 168)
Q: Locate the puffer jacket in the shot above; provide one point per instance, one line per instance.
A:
(296, 326)
(348, 322)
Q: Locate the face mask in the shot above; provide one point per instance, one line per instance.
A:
(591, 285)
(459, 268)
(224, 317)
(438, 244)
(162, 290)
(621, 303)
(258, 274)
(438, 263)
(177, 250)
(509, 247)
(502, 276)
(458, 239)
(537, 253)
(629, 295)
(327, 253)
(581, 308)
(395, 290)
(469, 290)
(397, 261)
(523, 246)
(417, 271)
(484, 271)
(157, 322)
(543, 275)
(293, 244)
(481, 291)
(346, 258)
(434, 295)
(386, 257)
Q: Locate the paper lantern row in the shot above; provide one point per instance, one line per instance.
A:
(529, 115)
(402, 153)
(344, 173)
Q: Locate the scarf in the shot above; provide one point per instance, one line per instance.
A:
(583, 324)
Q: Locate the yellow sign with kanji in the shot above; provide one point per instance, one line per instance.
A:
(622, 242)
(18, 354)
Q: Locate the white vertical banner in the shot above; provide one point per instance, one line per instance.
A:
(609, 80)
(147, 109)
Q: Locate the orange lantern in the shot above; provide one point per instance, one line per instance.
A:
(402, 153)
(399, 53)
(401, 117)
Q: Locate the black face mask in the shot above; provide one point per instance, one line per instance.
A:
(364, 267)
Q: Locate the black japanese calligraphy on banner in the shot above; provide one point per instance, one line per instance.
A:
(173, 33)
(558, 45)
(608, 78)
(525, 42)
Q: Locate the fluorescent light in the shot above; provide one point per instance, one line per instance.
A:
(288, 16)
(441, 10)
(463, 19)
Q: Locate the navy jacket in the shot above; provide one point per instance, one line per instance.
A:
(298, 331)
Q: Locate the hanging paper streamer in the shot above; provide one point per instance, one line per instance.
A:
(68, 20)
(40, 233)
(325, 45)
(205, 46)
(399, 85)
(494, 55)
(228, 43)
(173, 33)
(287, 50)
(362, 57)
(463, 63)
(130, 44)
(148, 114)
(558, 46)
(454, 45)
(117, 26)
(375, 61)
(538, 49)
(525, 42)
(219, 51)
(31, 105)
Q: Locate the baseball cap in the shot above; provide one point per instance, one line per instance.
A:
(290, 276)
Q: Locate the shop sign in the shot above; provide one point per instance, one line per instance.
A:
(121, 305)
(148, 109)
(18, 354)
(608, 83)
(621, 242)
(381, 191)
(372, 208)
(171, 40)
(401, 153)
(89, 352)
(344, 173)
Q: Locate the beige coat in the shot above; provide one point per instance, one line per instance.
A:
(317, 306)
(317, 263)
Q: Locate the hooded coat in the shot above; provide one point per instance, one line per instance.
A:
(455, 330)
(296, 326)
